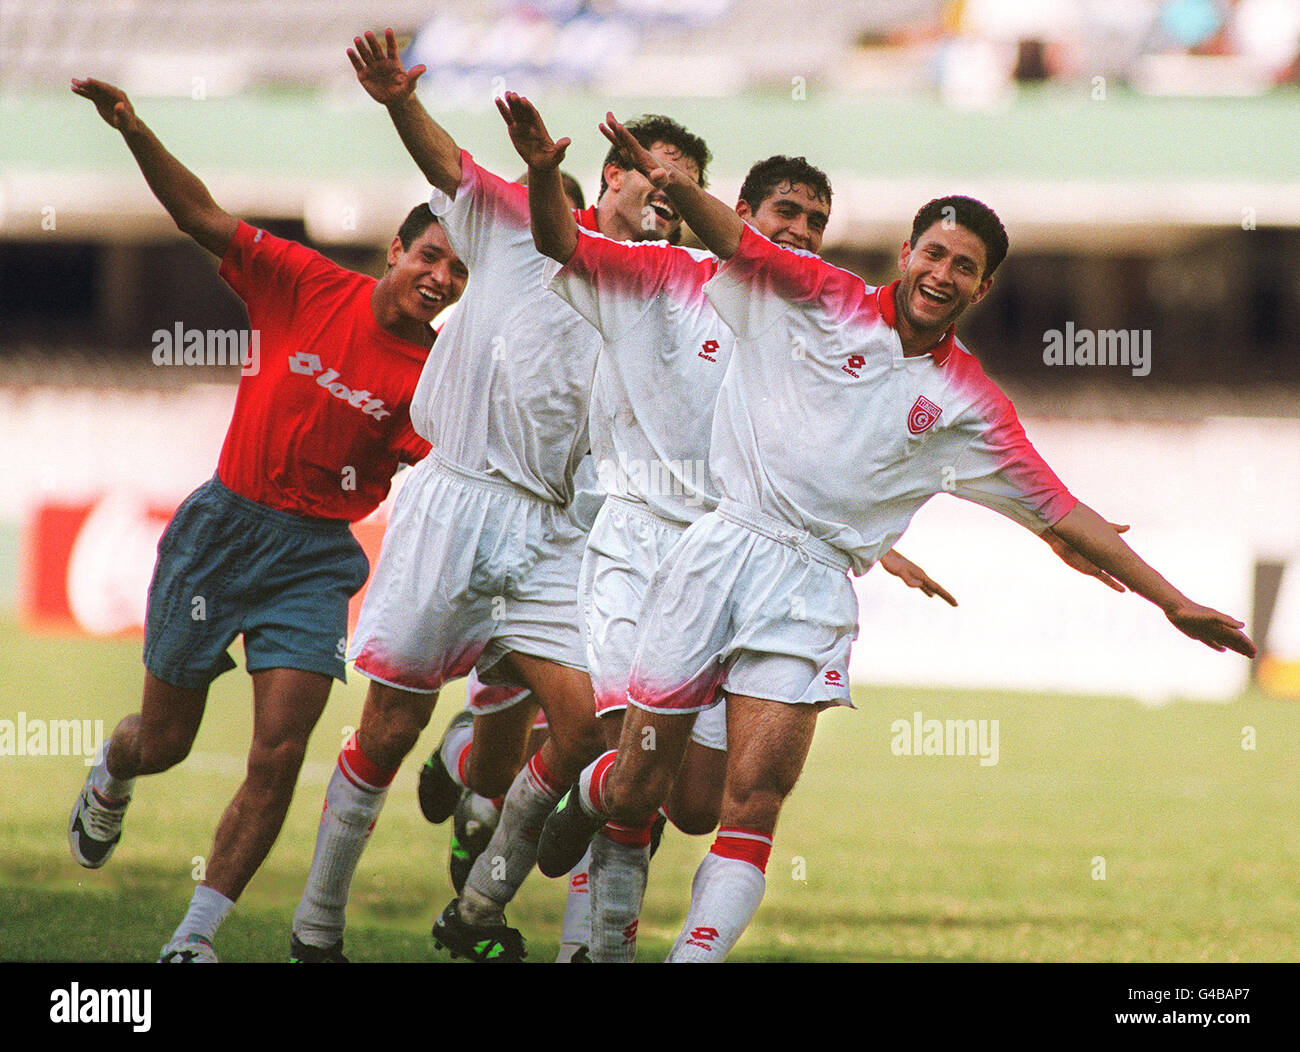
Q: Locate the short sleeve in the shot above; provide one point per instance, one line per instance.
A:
(762, 282)
(485, 208)
(1002, 471)
(259, 266)
(612, 284)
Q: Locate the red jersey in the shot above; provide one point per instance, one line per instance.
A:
(322, 422)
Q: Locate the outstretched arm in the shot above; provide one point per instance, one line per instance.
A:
(380, 72)
(1092, 536)
(913, 576)
(1077, 561)
(178, 189)
(716, 225)
(555, 231)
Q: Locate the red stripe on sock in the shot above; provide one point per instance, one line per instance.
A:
(598, 776)
(357, 765)
(462, 761)
(743, 847)
(542, 774)
(629, 836)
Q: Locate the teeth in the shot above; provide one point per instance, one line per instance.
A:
(934, 296)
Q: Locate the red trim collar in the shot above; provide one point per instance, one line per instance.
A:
(587, 218)
(887, 309)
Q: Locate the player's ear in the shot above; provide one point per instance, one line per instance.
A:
(903, 254)
(614, 177)
(395, 251)
(743, 210)
(982, 290)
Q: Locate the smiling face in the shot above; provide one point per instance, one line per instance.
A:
(942, 275)
(792, 215)
(427, 278)
(637, 211)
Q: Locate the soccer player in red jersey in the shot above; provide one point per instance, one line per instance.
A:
(263, 549)
(903, 412)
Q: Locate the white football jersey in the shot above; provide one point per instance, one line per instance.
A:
(507, 387)
(665, 352)
(823, 423)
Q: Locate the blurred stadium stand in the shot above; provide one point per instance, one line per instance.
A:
(1143, 154)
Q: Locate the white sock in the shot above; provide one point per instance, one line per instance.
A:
(102, 780)
(575, 932)
(725, 896)
(208, 908)
(352, 807)
(453, 748)
(512, 852)
(619, 868)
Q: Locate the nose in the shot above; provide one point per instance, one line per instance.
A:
(800, 229)
(441, 273)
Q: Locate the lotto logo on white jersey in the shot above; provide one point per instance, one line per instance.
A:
(922, 415)
(306, 364)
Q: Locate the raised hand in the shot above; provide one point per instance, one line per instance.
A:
(642, 159)
(1217, 631)
(532, 141)
(110, 101)
(380, 70)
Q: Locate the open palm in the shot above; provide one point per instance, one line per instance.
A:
(379, 69)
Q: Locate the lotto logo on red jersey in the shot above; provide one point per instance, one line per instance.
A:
(310, 364)
(923, 414)
(708, 350)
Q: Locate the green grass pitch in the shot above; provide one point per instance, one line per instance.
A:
(1105, 832)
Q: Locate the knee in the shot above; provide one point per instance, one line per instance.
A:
(756, 804)
(637, 794)
(391, 724)
(693, 817)
(273, 767)
(163, 751)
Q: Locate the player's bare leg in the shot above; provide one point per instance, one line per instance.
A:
(574, 738)
(391, 722)
(150, 741)
(768, 743)
(501, 745)
(695, 803)
(287, 703)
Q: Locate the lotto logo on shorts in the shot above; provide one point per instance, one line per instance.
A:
(923, 414)
(834, 678)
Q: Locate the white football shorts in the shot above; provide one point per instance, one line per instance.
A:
(745, 604)
(472, 568)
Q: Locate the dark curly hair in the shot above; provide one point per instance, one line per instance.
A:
(975, 216)
(766, 176)
(653, 128)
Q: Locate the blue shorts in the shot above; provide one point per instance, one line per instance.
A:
(229, 566)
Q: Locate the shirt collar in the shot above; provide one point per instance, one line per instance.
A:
(887, 308)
